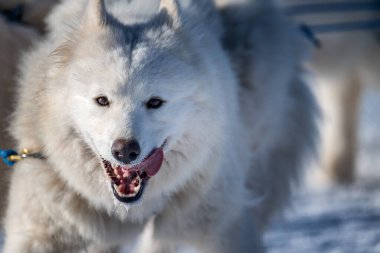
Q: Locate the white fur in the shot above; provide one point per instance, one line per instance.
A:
(14, 39)
(229, 144)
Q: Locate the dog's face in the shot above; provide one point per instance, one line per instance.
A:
(133, 93)
(131, 109)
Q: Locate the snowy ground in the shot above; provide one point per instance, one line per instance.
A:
(338, 219)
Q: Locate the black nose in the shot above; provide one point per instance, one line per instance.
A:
(125, 151)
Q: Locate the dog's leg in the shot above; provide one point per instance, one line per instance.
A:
(343, 168)
(340, 101)
(148, 243)
(241, 235)
(156, 248)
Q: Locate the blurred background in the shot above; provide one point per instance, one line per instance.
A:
(335, 218)
(337, 208)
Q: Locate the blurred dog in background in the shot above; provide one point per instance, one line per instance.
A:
(27, 13)
(21, 22)
(345, 34)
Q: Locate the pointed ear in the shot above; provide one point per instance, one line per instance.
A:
(95, 15)
(172, 10)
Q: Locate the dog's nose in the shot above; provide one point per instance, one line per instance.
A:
(125, 151)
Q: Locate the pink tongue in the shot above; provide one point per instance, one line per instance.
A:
(152, 164)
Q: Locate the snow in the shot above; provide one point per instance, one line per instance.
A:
(337, 219)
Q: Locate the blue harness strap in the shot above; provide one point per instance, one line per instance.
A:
(311, 29)
(365, 25)
(350, 6)
(6, 155)
(310, 35)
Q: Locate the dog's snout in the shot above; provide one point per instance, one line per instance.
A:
(126, 151)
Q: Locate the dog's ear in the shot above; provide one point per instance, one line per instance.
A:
(172, 10)
(95, 15)
(94, 18)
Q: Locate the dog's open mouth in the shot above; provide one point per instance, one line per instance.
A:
(128, 182)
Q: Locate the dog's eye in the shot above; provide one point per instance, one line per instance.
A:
(102, 101)
(154, 103)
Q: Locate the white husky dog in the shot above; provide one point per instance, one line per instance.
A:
(149, 138)
(348, 58)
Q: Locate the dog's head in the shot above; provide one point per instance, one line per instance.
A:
(144, 97)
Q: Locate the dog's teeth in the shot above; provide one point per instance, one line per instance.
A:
(137, 189)
(122, 188)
